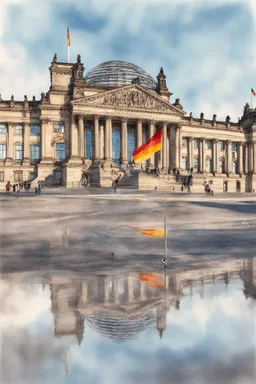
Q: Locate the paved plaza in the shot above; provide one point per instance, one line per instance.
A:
(79, 230)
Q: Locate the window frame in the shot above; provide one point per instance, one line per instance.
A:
(15, 173)
(196, 169)
(208, 147)
(56, 130)
(20, 126)
(1, 178)
(4, 151)
(220, 145)
(60, 151)
(4, 127)
(17, 151)
(196, 144)
(31, 158)
(34, 126)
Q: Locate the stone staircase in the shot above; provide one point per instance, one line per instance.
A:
(141, 180)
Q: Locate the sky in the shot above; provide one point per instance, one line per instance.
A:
(206, 47)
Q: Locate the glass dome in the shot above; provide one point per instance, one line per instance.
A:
(117, 73)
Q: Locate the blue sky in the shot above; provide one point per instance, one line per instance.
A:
(206, 47)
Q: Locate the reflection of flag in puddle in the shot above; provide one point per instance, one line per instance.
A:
(152, 232)
(151, 279)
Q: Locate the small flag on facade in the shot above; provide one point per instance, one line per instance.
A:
(145, 151)
(68, 37)
(253, 93)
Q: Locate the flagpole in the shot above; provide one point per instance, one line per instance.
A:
(68, 53)
(165, 231)
(251, 99)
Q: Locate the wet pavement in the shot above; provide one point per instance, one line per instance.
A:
(85, 297)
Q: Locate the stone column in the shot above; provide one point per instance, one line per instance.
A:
(189, 141)
(214, 155)
(124, 143)
(229, 157)
(202, 154)
(96, 138)
(130, 288)
(10, 149)
(152, 130)
(84, 295)
(177, 149)
(245, 158)
(115, 290)
(254, 157)
(180, 147)
(108, 138)
(74, 138)
(240, 158)
(139, 133)
(101, 141)
(251, 156)
(164, 147)
(26, 137)
(81, 149)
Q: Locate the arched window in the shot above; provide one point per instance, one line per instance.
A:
(208, 164)
(184, 162)
(131, 143)
(221, 165)
(88, 143)
(208, 144)
(234, 167)
(116, 145)
(2, 151)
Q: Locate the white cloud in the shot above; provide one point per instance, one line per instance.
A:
(199, 61)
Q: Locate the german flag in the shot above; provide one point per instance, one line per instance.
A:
(68, 37)
(145, 151)
(151, 279)
(152, 232)
(253, 93)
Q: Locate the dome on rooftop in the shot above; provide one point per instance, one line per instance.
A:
(117, 73)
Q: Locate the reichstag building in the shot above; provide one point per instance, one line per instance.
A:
(87, 127)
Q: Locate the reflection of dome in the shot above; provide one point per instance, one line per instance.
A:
(118, 73)
(118, 329)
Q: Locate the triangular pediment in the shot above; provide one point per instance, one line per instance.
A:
(131, 97)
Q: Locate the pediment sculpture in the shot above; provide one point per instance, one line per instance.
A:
(128, 97)
(58, 137)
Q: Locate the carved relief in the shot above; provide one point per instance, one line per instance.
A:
(128, 98)
(57, 138)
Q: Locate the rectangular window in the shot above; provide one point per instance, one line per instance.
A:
(59, 127)
(34, 152)
(32, 176)
(196, 144)
(1, 176)
(60, 151)
(234, 147)
(184, 162)
(208, 144)
(3, 128)
(18, 152)
(184, 143)
(2, 151)
(35, 130)
(196, 165)
(18, 177)
(19, 129)
(221, 145)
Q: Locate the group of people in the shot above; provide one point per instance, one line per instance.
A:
(17, 187)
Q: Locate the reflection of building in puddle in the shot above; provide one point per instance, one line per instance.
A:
(121, 308)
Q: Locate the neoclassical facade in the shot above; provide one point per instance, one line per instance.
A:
(89, 127)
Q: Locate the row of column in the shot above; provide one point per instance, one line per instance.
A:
(246, 154)
(104, 132)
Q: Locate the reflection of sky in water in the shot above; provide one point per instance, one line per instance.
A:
(211, 339)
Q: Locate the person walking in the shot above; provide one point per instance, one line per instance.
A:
(18, 190)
